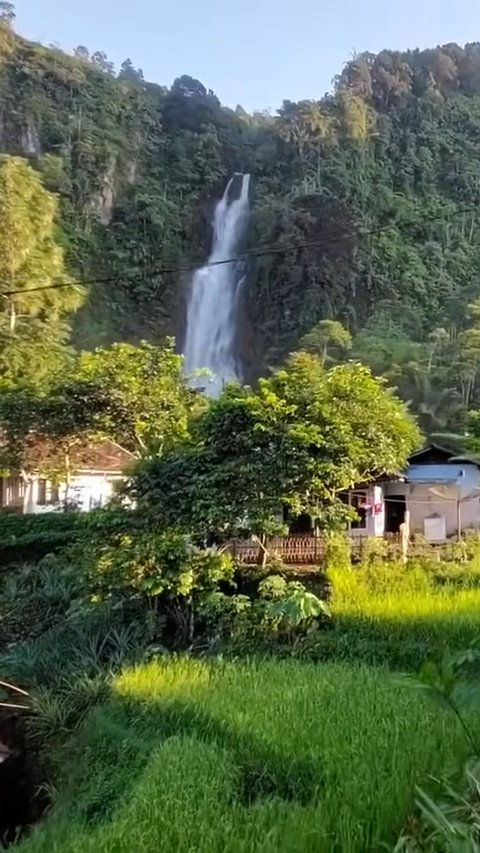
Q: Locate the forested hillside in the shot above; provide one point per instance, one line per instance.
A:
(368, 197)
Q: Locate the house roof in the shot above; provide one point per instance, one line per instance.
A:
(430, 450)
(434, 453)
(104, 457)
(107, 458)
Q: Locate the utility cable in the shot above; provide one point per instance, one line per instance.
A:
(328, 238)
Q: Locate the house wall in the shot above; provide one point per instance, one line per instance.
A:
(438, 490)
(375, 514)
(88, 491)
(423, 504)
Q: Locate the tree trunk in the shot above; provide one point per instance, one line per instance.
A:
(28, 496)
(13, 317)
(68, 477)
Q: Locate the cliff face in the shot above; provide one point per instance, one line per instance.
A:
(369, 197)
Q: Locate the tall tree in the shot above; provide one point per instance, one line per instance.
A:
(306, 435)
(7, 12)
(36, 293)
(147, 402)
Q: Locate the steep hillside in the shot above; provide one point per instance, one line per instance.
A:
(369, 198)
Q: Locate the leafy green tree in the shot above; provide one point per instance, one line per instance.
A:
(37, 294)
(82, 52)
(147, 404)
(101, 60)
(7, 12)
(327, 334)
(306, 435)
(129, 73)
(136, 397)
(49, 435)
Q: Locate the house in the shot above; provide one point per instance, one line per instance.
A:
(441, 491)
(92, 483)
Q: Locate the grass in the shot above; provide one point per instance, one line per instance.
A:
(248, 756)
(314, 749)
(397, 621)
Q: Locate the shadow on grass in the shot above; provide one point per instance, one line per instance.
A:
(396, 643)
(114, 741)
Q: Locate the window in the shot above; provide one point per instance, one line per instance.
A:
(14, 491)
(359, 504)
(41, 492)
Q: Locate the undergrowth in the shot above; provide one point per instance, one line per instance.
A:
(271, 756)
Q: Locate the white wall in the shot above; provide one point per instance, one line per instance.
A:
(374, 522)
(89, 491)
(436, 492)
(423, 504)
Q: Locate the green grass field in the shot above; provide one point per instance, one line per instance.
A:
(248, 756)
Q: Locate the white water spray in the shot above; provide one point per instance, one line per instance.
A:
(211, 313)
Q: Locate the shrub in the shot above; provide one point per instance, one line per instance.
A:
(337, 551)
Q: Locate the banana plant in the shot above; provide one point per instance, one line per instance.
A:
(298, 608)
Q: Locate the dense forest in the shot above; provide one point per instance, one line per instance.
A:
(368, 199)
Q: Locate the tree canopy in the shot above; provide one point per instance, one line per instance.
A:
(35, 299)
(302, 438)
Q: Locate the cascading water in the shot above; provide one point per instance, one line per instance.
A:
(211, 314)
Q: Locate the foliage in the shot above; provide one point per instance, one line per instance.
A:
(263, 755)
(451, 684)
(147, 404)
(296, 608)
(135, 396)
(30, 537)
(302, 438)
(49, 434)
(450, 821)
(30, 259)
(372, 191)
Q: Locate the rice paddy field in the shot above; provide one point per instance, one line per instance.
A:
(273, 755)
(253, 756)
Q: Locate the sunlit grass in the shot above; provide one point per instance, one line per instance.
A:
(441, 603)
(254, 756)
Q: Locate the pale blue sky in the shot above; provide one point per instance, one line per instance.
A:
(253, 52)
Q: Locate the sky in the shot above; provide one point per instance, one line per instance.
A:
(250, 52)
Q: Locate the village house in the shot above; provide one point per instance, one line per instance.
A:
(91, 484)
(440, 490)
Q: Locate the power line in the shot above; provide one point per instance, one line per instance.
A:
(147, 271)
(328, 237)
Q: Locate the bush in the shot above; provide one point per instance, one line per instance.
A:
(25, 538)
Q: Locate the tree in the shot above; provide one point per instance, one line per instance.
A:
(136, 397)
(7, 12)
(32, 314)
(147, 404)
(327, 333)
(48, 435)
(82, 52)
(305, 436)
(129, 73)
(101, 60)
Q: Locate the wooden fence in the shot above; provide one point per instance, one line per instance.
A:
(297, 549)
(306, 549)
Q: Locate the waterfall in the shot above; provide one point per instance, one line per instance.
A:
(211, 313)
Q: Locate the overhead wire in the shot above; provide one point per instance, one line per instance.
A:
(328, 237)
